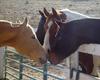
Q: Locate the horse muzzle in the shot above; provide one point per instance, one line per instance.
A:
(53, 58)
(43, 60)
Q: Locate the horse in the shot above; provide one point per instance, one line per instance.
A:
(41, 29)
(60, 49)
(62, 17)
(22, 37)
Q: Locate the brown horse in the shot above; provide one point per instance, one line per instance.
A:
(62, 16)
(66, 38)
(22, 37)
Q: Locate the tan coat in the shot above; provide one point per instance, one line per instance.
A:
(22, 37)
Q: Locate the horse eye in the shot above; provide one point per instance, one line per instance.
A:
(33, 37)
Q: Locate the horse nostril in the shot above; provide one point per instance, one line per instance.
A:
(42, 61)
(48, 50)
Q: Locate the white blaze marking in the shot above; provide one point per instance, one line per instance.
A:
(46, 44)
(50, 24)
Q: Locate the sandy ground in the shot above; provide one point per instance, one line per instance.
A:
(14, 10)
(18, 9)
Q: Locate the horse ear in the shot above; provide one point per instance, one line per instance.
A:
(46, 12)
(25, 22)
(41, 13)
(54, 12)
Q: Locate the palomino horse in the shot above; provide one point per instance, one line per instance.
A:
(62, 40)
(22, 37)
(62, 17)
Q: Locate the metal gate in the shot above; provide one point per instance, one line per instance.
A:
(20, 71)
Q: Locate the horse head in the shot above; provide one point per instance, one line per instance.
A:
(57, 16)
(24, 40)
(41, 31)
(52, 26)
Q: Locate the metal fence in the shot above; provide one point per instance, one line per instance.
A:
(20, 73)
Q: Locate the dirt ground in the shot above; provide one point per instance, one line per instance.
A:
(13, 10)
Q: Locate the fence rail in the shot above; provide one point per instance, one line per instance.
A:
(20, 72)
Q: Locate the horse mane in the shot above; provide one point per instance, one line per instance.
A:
(9, 24)
(15, 25)
(5, 23)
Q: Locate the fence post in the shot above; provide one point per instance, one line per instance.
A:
(75, 60)
(74, 64)
(2, 53)
(21, 68)
(45, 76)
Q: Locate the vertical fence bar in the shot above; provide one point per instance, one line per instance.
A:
(21, 68)
(45, 68)
(5, 75)
(2, 51)
(74, 63)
